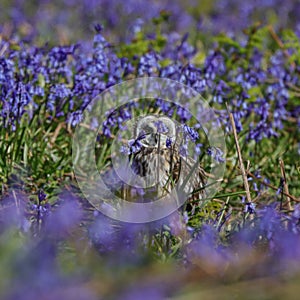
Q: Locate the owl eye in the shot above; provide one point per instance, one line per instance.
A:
(148, 129)
(141, 136)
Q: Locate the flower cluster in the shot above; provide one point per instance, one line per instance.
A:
(260, 94)
(268, 236)
(56, 245)
(124, 20)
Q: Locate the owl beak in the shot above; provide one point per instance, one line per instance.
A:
(153, 139)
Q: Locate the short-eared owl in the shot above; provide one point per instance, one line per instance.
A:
(156, 158)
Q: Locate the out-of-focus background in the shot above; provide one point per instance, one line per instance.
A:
(72, 20)
(242, 56)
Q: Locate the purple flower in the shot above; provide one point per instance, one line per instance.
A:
(161, 127)
(183, 113)
(98, 28)
(205, 245)
(168, 142)
(64, 218)
(110, 236)
(41, 195)
(216, 153)
(75, 118)
(190, 133)
(183, 150)
(12, 212)
(135, 145)
(250, 207)
(148, 64)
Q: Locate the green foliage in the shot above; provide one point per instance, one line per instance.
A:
(141, 44)
(292, 43)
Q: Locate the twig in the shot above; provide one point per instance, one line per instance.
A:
(279, 43)
(276, 37)
(292, 86)
(242, 167)
(3, 49)
(285, 185)
(272, 186)
(56, 132)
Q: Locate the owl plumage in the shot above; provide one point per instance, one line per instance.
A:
(155, 165)
(158, 161)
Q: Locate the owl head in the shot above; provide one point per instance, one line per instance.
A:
(156, 130)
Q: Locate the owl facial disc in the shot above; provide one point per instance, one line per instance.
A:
(156, 130)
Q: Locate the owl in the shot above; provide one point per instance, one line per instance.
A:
(157, 161)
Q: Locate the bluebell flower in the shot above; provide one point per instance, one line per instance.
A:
(198, 148)
(191, 133)
(125, 150)
(41, 195)
(219, 155)
(148, 64)
(183, 114)
(183, 150)
(65, 218)
(250, 207)
(75, 118)
(161, 127)
(216, 153)
(165, 106)
(98, 28)
(135, 144)
(169, 142)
